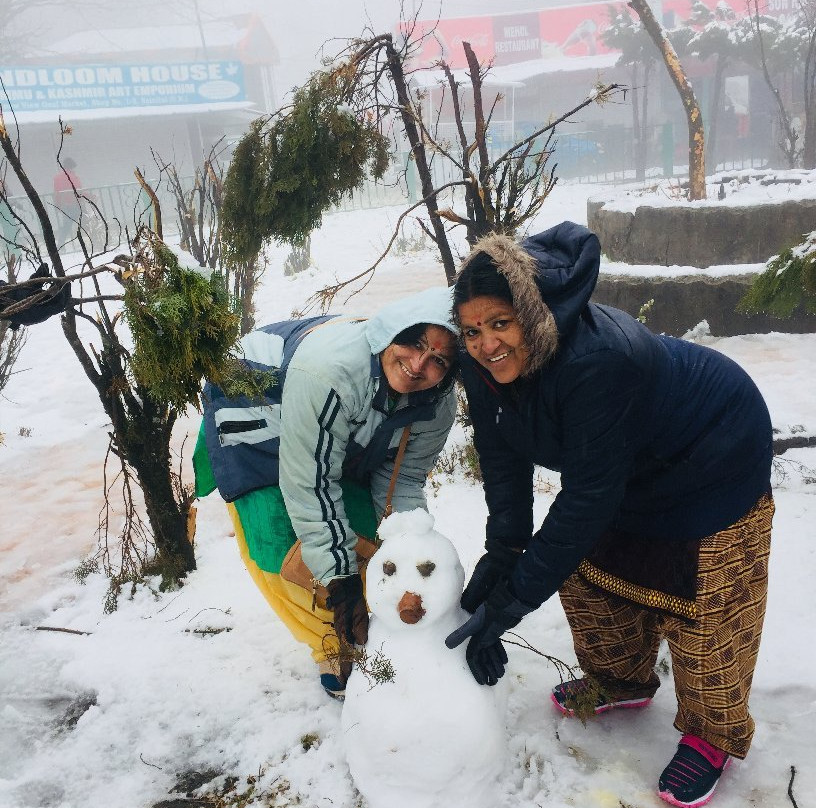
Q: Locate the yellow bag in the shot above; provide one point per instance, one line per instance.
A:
(295, 571)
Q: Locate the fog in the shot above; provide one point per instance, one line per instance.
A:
(139, 85)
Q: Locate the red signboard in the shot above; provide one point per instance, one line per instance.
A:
(553, 32)
(515, 38)
(442, 40)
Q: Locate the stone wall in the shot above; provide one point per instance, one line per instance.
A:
(680, 303)
(701, 236)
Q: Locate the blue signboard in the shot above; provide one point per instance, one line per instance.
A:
(80, 87)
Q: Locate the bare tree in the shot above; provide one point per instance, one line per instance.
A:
(141, 425)
(789, 136)
(17, 33)
(499, 192)
(638, 52)
(808, 44)
(694, 118)
(11, 339)
(199, 218)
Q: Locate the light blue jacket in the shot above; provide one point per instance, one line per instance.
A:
(326, 418)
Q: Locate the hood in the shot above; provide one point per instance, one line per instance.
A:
(431, 306)
(551, 277)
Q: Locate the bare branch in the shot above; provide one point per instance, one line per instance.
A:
(325, 296)
(154, 200)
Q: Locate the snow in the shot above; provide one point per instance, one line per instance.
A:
(746, 187)
(114, 716)
(105, 113)
(515, 75)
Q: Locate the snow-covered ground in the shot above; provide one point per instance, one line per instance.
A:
(118, 714)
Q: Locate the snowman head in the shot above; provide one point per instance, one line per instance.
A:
(415, 578)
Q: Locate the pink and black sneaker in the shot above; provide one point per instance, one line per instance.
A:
(693, 773)
(567, 693)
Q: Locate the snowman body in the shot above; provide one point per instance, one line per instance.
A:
(432, 737)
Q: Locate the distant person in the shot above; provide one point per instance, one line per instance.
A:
(66, 184)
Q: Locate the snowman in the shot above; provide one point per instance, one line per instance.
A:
(431, 737)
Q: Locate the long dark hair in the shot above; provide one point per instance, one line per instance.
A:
(413, 334)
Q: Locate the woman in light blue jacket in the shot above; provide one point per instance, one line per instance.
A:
(314, 459)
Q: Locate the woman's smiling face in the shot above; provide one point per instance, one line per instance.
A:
(411, 368)
(493, 336)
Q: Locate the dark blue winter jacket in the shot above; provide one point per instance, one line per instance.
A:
(652, 435)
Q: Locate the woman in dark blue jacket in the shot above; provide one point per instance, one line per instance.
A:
(661, 528)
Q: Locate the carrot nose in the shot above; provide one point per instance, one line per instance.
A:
(410, 608)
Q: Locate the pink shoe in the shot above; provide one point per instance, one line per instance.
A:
(693, 773)
(566, 692)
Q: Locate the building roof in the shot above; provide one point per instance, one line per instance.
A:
(51, 116)
(520, 73)
(242, 36)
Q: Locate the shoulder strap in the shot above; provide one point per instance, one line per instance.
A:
(329, 322)
(397, 463)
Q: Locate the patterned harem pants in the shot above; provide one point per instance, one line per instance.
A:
(713, 656)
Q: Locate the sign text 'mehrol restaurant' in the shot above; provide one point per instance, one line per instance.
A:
(98, 86)
(516, 38)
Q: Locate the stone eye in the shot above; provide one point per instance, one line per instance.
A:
(389, 567)
(426, 568)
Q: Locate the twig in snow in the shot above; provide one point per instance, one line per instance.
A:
(210, 609)
(149, 764)
(64, 630)
(790, 787)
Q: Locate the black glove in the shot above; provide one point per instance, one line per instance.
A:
(496, 564)
(485, 653)
(350, 613)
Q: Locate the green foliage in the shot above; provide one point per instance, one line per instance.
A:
(184, 328)
(789, 280)
(289, 169)
(242, 211)
(309, 740)
(644, 310)
(260, 789)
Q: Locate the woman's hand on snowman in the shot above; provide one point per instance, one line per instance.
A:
(485, 653)
(350, 612)
(496, 564)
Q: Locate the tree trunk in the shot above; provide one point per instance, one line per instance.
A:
(694, 118)
(638, 126)
(395, 69)
(247, 297)
(809, 145)
(147, 447)
(714, 112)
(141, 428)
(484, 212)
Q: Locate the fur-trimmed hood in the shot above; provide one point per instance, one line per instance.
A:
(551, 277)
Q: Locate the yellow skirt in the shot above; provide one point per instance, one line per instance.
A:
(291, 603)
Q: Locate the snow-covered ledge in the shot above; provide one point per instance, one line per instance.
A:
(749, 217)
(683, 297)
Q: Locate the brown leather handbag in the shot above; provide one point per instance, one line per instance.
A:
(294, 569)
